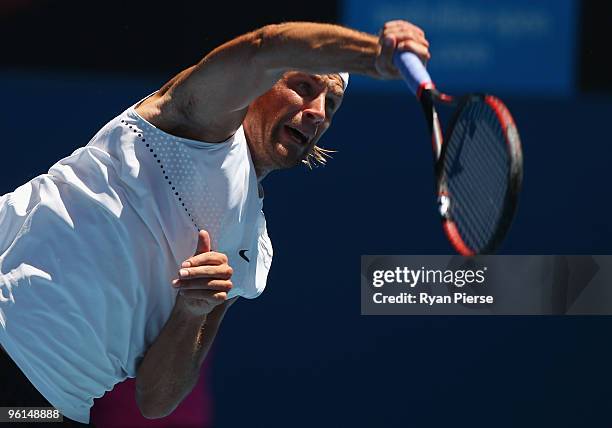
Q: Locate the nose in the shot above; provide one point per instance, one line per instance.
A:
(315, 110)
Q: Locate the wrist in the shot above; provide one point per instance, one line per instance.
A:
(187, 312)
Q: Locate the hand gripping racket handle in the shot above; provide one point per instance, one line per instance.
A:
(414, 72)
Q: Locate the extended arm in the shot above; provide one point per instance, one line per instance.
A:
(209, 100)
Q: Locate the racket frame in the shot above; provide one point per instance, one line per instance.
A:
(428, 97)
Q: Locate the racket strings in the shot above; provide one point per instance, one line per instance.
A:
(476, 166)
(476, 195)
(477, 223)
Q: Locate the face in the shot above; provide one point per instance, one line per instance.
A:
(283, 125)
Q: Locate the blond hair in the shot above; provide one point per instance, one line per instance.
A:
(317, 157)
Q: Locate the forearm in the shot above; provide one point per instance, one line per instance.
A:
(318, 49)
(171, 366)
(209, 100)
(237, 72)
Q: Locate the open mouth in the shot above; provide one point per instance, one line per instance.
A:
(297, 135)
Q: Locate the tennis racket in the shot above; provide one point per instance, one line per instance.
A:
(478, 161)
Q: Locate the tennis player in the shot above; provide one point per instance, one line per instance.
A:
(98, 277)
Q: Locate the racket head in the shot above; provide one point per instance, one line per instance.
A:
(479, 174)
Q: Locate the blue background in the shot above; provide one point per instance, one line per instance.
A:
(302, 355)
(503, 46)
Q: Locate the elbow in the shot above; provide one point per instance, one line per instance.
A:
(267, 47)
(151, 411)
(270, 38)
(153, 407)
(266, 34)
(260, 40)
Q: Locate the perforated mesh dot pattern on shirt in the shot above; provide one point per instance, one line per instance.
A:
(179, 172)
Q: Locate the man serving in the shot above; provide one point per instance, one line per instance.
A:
(98, 277)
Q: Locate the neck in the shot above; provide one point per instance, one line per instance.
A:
(260, 171)
(260, 176)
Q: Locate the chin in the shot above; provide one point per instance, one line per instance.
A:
(287, 163)
(287, 158)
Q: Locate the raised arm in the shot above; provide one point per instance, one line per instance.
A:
(208, 101)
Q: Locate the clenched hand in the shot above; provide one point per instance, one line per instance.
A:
(401, 36)
(204, 279)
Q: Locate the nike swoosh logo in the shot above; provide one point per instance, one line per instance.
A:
(241, 252)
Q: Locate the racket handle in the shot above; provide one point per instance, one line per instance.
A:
(413, 71)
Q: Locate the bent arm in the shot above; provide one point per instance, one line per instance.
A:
(244, 68)
(171, 366)
(211, 97)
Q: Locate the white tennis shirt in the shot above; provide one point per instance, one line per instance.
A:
(89, 250)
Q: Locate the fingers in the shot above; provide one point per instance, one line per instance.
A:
(208, 258)
(419, 49)
(222, 271)
(203, 242)
(206, 270)
(406, 36)
(403, 36)
(203, 284)
(205, 278)
(387, 47)
(401, 24)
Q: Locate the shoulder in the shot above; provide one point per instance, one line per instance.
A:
(183, 118)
